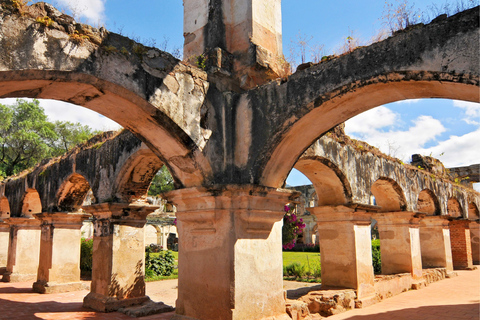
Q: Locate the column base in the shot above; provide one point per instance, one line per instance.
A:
(366, 301)
(15, 277)
(42, 287)
(419, 284)
(102, 303)
(3, 270)
(277, 317)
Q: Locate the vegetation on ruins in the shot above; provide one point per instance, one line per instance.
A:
(27, 136)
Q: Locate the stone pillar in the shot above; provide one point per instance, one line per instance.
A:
(23, 250)
(4, 240)
(59, 263)
(461, 244)
(230, 252)
(240, 36)
(400, 243)
(435, 243)
(118, 270)
(346, 247)
(475, 238)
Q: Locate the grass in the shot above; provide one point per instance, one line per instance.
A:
(304, 258)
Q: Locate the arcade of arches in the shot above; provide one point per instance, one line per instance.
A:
(229, 136)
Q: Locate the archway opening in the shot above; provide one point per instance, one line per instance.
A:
(428, 203)
(31, 203)
(454, 209)
(389, 195)
(4, 208)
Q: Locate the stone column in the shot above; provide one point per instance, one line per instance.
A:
(23, 250)
(4, 240)
(475, 238)
(461, 244)
(400, 243)
(435, 243)
(118, 270)
(59, 263)
(346, 248)
(230, 252)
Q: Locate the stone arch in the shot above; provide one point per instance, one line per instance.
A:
(389, 195)
(72, 193)
(31, 203)
(331, 185)
(4, 208)
(454, 208)
(428, 202)
(473, 212)
(136, 175)
(147, 91)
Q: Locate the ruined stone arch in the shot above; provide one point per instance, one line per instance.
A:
(473, 212)
(4, 208)
(389, 195)
(331, 185)
(428, 202)
(136, 175)
(72, 193)
(454, 208)
(147, 91)
(31, 203)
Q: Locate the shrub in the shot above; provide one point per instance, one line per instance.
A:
(302, 247)
(376, 258)
(161, 264)
(86, 251)
(295, 269)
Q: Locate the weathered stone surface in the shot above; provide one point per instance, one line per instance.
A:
(298, 310)
(330, 302)
(145, 309)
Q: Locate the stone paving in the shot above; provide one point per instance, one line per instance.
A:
(452, 299)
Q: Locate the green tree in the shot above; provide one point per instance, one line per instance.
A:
(27, 137)
(162, 182)
(69, 135)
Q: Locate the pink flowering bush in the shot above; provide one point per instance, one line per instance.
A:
(292, 227)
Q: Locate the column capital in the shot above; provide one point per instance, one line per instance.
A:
(354, 212)
(434, 221)
(256, 207)
(23, 222)
(62, 219)
(400, 217)
(120, 211)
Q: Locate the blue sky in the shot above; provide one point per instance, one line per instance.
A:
(445, 129)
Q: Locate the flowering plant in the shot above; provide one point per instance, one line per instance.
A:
(292, 227)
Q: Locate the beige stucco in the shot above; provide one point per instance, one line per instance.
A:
(345, 246)
(23, 250)
(4, 239)
(435, 243)
(400, 243)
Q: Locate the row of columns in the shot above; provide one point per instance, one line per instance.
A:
(230, 261)
(409, 241)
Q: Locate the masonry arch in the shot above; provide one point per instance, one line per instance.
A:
(136, 175)
(454, 208)
(331, 185)
(4, 208)
(473, 212)
(31, 203)
(389, 195)
(72, 193)
(147, 91)
(428, 202)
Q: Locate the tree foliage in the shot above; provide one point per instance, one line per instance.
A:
(162, 182)
(27, 136)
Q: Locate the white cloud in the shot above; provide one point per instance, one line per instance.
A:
(370, 121)
(457, 150)
(472, 111)
(63, 111)
(397, 143)
(92, 10)
(409, 101)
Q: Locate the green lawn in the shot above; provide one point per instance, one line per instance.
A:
(305, 258)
